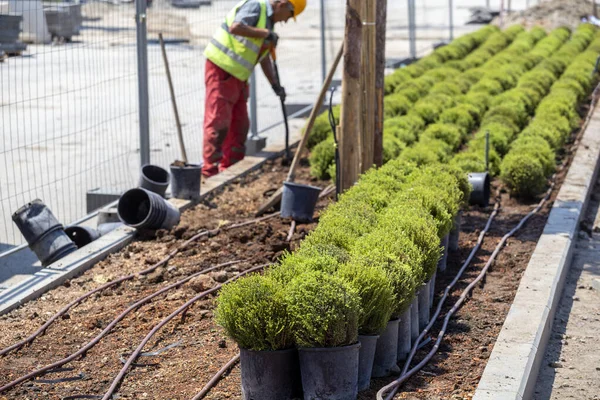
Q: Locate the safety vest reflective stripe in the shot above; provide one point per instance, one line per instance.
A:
(231, 54)
(243, 40)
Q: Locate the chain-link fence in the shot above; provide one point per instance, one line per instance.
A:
(70, 102)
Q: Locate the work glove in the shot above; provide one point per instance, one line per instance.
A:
(279, 91)
(272, 38)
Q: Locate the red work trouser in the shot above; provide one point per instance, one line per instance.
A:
(226, 122)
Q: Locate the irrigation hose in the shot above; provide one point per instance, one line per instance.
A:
(64, 310)
(393, 387)
(156, 328)
(465, 265)
(84, 349)
(216, 378)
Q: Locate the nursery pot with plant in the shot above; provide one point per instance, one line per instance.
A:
(327, 341)
(253, 312)
(185, 180)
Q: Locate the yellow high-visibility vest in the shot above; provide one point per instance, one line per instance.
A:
(235, 54)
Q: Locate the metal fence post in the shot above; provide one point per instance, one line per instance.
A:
(323, 56)
(253, 106)
(142, 69)
(411, 29)
(451, 10)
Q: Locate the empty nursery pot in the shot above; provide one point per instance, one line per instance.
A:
(455, 233)
(185, 181)
(443, 261)
(143, 209)
(154, 179)
(423, 306)
(404, 335)
(81, 235)
(386, 353)
(44, 234)
(270, 375)
(481, 188)
(366, 355)
(298, 201)
(329, 373)
(414, 319)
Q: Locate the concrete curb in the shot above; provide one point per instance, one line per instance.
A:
(513, 367)
(81, 260)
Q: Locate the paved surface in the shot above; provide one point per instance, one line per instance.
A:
(571, 366)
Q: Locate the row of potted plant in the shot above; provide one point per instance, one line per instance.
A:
(348, 282)
(397, 135)
(531, 158)
(478, 107)
(437, 60)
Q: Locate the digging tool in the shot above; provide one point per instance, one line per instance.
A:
(173, 102)
(285, 118)
(276, 197)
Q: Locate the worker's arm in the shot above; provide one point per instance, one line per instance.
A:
(240, 29)
(267, 68)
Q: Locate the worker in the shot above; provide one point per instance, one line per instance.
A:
(242, 41)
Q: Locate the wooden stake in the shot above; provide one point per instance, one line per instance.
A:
(379, 85)
(368, 66)
(173, 102)
(350, 120)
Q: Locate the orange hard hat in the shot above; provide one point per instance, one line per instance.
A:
(299, 6)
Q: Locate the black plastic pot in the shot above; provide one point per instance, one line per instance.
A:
(270, 375)
(143, 209)
(455, 233)
(298, 201)
(81, 235)
(185, 181)
(44, 234)
(386, 353)
(414, 319)
(366, 355)
(329, 373)
(423, 306)
(404, 332)
(155, 179)
(431, 289)
(481, 188)
(443, 261)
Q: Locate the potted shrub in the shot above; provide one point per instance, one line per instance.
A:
(376, 299)
(324, 311)
(253, 312)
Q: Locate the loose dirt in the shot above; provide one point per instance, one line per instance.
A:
(550, 14)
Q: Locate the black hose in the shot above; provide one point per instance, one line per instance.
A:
(333, 124)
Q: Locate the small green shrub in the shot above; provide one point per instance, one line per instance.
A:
(447, 133)
(488, 86)
(459, 116)
(375, 292)
(321, 158)
(254, 313)
(323, 309)
(538, 148)
(322, 128)
(395, 104)
(307, 259)
(523, 174)
(550, 132)
(392, 147)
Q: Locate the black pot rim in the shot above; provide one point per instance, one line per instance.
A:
(165, 184)
(301, 185)
(329, 349)
(187, 166)
(288, 350)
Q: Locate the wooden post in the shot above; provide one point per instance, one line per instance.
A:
(350, 119)
(368, 66)
(379, 86)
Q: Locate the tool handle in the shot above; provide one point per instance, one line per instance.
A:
(313, 115)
